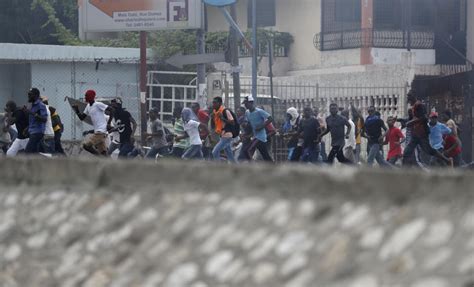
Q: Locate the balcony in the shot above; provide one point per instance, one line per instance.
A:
(383, 38)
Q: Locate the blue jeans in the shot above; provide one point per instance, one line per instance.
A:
(322, 150)
(47, 145)
(193, 152)
(34, 143)
(311, 154)
(357, 153)
(125, 150)
(375, 153)
(154, 151)
(291, 150)
(226, 145)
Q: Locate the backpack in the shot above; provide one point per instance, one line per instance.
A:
(235, 128)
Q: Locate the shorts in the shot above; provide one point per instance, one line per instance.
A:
(97, 140)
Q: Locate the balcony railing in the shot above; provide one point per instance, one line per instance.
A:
(360, 38)
(244, 52)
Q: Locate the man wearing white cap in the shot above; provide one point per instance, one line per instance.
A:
(258, 120)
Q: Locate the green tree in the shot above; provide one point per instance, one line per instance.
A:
(21, 24)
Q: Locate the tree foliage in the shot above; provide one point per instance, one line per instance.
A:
(56, 22)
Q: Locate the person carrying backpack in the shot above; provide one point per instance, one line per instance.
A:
(224, 123)
(258, 119)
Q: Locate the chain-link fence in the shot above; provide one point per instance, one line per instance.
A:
(113, 79)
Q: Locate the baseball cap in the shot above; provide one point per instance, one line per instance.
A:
(433, 115)
(34, 91)
(154, 110)
(249, 99)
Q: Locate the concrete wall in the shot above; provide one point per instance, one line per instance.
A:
(55, 80)
(383, 56)
(470, 30)
(340, 58)
(302, 19)
(299, 18)
(100, 223)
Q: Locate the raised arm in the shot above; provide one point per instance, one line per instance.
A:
(80, 115)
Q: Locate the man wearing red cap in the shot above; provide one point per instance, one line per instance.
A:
(96, 110)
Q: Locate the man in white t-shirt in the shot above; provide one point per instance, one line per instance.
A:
(48, 139)
(350, 146)
(95, 144)
(191, 127)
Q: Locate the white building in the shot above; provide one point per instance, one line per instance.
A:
(354, 43)
(64, 71)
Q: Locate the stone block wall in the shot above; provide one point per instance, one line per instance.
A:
(89, 223)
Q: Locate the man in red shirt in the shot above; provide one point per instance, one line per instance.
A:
(394, 139)
(452, 145)
(203, 133)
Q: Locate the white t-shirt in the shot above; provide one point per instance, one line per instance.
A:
(192, 129)
(351, 142)
(49, 124)
(96, 112)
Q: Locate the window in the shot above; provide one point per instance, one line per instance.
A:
(266, 15)
(422, 13)
(387, 14)
(348, 10)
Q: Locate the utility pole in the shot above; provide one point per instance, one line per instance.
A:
(201, 68)
(270, 68)
(234, 50)
(408, 23)
(143, 79)
(255, 49)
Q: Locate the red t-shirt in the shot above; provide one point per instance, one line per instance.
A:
(204, 119)
(394, 136)
(449, 141)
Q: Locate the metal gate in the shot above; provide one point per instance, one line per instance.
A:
(166, 96)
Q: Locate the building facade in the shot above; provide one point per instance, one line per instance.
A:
(470, 30)
(330, 33)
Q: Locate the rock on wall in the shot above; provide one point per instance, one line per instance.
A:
(89, 223)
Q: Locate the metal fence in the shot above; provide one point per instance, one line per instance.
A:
(166, 97)
(244, 52)
(117, 79)
(359, 38)
(388, 100)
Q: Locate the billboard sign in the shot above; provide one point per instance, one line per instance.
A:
(220, 3)
(140, 15)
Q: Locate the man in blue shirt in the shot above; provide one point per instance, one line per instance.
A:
(437, 133)
(258, 120)
(37, 121)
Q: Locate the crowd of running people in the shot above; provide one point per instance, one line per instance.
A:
(220, 134)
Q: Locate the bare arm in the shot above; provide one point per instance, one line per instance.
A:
(349, 128)
(80, 115)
